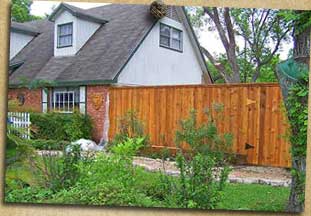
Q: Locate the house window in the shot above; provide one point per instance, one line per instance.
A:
(65, 100)
(170, 37)
(64, 35)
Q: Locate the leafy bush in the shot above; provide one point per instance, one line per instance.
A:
(28, 195)
(204, 138)
(57, 171)
(107, 180)
(42, 144)
(58, 126)
(129, 147)
(203, 170)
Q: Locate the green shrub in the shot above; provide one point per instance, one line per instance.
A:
(107, 180)
(129, 147)
(28, 195)
(42, 144)
(57, 171)
(203, 169)
(204, 138)
(130, 126)
(58, 126)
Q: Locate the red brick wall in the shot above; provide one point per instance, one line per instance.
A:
(96, 108)
(33, 98)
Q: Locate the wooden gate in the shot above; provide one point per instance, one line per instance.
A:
(253, 113)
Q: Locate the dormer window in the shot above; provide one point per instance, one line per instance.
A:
(64, 35)
(170, 37)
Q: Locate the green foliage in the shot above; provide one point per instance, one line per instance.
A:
(28, 195)
(204, 138)
(42, 144)
(247, 69)
(297, 109)
(108, 180)
(267, 73)
(201, 179)
(300, 19)
(58, 126)
(262, 32)
(128, 148)
(200, 184)
(55, 172)
(297, 103)
(20, 11)
(22, 149)
(130, 126)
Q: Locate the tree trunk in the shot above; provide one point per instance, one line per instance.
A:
(226, 34)
(301, 55)
(294, 203)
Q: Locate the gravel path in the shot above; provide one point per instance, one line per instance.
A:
(273, 176)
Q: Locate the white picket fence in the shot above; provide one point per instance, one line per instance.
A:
(21, 121)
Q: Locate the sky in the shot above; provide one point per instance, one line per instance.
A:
(207, 39)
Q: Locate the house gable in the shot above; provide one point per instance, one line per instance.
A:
(82, 30)
(155, 65)
(20, 36)
(18, 41)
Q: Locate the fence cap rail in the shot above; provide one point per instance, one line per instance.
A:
(224, 85)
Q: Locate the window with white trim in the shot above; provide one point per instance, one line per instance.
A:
(65, 100)
(64, 35)
(171, 37)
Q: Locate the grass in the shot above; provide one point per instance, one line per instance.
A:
(254, 197)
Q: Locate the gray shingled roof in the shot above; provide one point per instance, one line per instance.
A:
(26, 29)
(100, 60)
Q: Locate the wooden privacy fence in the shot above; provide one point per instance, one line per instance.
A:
(253, 113)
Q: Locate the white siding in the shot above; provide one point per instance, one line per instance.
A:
(17, 42)
(85, 30)
(82, 31)
(155, 65)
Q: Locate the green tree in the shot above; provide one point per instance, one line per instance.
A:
(247, 69)
(261, 30)
(20, 11)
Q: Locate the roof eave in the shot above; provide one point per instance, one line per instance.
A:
(76, 14)
(197, 43)
(71, 83)
(23, 31)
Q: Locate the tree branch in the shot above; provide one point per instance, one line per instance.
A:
(220, 68)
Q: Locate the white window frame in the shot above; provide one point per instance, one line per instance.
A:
(72, 103)
(59, 35)
(171, 28)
